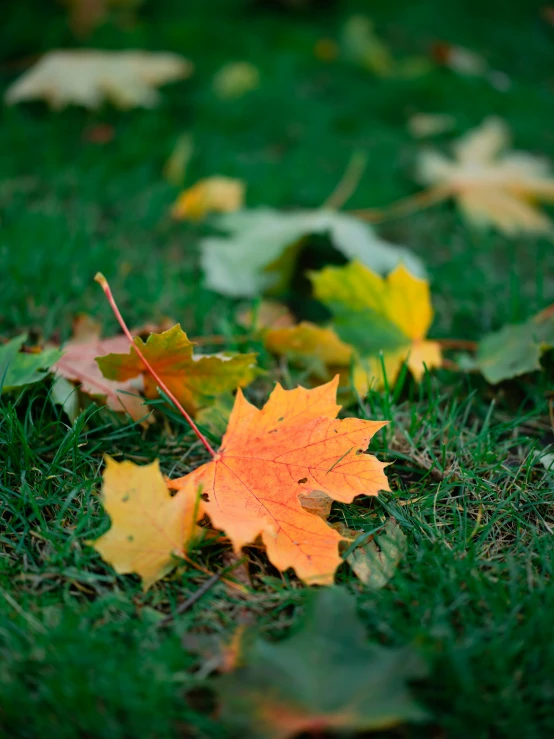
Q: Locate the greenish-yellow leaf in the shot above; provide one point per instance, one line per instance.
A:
(194, 379)
(380, 317)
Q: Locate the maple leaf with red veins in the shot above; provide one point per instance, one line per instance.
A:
(269, 457)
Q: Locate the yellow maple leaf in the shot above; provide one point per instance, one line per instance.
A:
(215, 194)
(385, 319)
(149, 527)
(311, 342)
(493, 187)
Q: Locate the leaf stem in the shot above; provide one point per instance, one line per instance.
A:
(348, 182)
(411, 204)
(102, 281)
(463, 344)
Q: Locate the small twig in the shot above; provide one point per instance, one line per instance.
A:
(411, 204)
(191, 600)
(219, 339)
(451, 366)
(349, 181)
(198, 567)
(101, 280)
(463, 344)
(31, 620)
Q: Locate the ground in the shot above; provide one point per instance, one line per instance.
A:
(474, 592)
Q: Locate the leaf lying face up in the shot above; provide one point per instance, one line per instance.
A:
(149, 527)
(193, 379)
(380, 316)
(87, 77)
(493, 187)
(269, 457)
(268, 461)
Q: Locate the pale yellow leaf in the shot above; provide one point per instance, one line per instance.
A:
(87, 77)
(492, 186)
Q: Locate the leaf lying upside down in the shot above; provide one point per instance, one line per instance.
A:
(193, 379)
(268, 458)
(324, 678)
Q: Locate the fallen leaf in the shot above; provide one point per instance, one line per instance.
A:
(87, 77)
(317, 348)
(194, 379)
(375, 562)
(469, 63)
(423, 125)
(493, 188)
(78, 364)
(149, 527)
(326, 677)
(268, 457)
(326, 50)
(361, 45)
(237, 265)
(212, 195)
(380, 316)
(64, 393)
(219, 654)
(99, 134)
(545, 458)
(175, 169)
(267, 314)
(86, 15)
(18, 369)
(516, 348)
(215, 417)
(236, 79)
(316, 502)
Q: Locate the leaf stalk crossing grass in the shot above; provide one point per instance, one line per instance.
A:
(101, 280)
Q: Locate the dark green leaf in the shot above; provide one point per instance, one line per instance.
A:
(324, 677)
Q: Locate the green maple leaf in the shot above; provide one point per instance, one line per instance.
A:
(324, 677)
(18, 369)
(516, 349)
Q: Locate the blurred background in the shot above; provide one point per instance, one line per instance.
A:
(283, 94)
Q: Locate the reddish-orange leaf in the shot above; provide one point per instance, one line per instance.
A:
(269, 457)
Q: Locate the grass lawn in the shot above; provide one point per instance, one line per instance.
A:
(80, 654)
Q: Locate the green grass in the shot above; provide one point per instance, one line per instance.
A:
(80, 652)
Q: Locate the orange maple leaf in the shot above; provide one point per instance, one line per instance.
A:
(269, 457)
